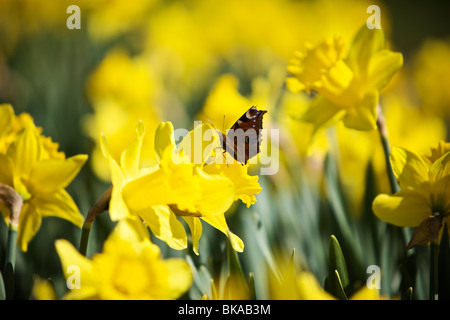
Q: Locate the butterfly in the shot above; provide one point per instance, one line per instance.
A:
(243, 139)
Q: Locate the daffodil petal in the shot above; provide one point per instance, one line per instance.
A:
(164, 138)
(146, 191)
(440, 169)
(382, 67)
(70, 257)
(117, 177)
(440, 184)
(29, 223)
(198, 144)
(170, 184)
(50, 175)
(363, 115)
(6, 118)
(409, 168)
(219, 222)
(246, 186)
(180, 277)
(366, 44)
(118, 210)
(165, 226)
(294, 85)
(6, 170)
(195, 225)
(131, 156)
(25, 151)
(405, 208)
(132, 230)
(218, 193)
(323, 113)
(57, 204)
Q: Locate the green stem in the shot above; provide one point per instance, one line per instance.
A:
(10, 261)
(14, 202)
(100, 206)
(85, 231)
(382, 129)
(434, 250)
(10, 255)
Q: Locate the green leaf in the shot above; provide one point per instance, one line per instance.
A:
(335, 197)
(2, 288)
(202, 281)
(236, 285)
(338, 279)
(260, 234)
(338, 287)
(234, 265)
(407, 295)
(9, 280)
(251, 286)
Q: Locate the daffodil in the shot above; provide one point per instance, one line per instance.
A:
(39, 176)
(129, 267)
(122, 91)
(176, 187)
(431, 75)
(423, 200)
(160, 219)
(348, 84)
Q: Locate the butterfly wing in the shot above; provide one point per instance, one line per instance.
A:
(243, 139)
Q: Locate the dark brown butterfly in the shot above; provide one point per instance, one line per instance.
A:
(243, 139)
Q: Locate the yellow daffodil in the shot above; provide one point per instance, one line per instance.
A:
(423, 200)
(121, 90)
(129, 267)
(11, 125)
(348, 84)
(358, 150)
(431, 76)
(39, 177)
(176, 186)
(160, 219)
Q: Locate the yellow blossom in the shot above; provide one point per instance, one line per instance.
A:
(423, 200)
(121, 90)
(39, 178)
(431, 76)
(359, 150)
(348, 84)
(176, 186)
(129, 267)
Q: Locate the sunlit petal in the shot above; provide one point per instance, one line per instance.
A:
(51, 174)
(405, 208)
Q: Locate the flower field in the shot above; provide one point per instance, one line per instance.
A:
(235, 150)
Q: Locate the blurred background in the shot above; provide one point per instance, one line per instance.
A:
(155, 60)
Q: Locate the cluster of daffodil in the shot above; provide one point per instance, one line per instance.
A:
(363, 173)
